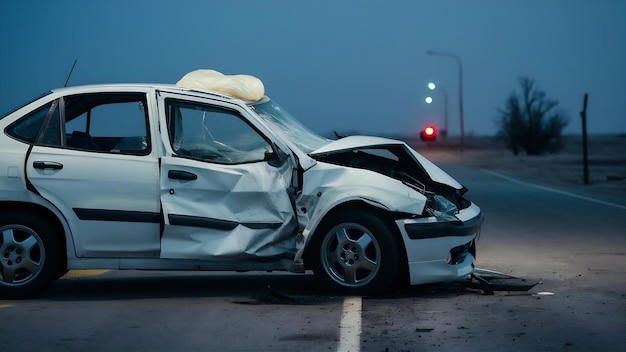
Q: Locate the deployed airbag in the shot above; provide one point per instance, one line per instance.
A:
(238, 86)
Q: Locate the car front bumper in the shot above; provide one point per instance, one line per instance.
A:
(440, 251)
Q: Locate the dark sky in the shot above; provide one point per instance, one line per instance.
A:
(350, 66)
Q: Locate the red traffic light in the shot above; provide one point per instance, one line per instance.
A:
(429, 133)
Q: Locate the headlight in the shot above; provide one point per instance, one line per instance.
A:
(441, 204)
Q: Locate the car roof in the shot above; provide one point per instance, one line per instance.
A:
(94, 88)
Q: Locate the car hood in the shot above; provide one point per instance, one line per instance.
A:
(353, 143)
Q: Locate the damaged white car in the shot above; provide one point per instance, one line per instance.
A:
(210, 174)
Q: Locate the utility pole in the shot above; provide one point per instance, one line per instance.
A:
(583, 115)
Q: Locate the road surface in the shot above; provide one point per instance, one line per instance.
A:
(573, 242)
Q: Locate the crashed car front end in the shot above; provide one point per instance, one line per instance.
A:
(437, 224)
(434, 223)
(441, 250)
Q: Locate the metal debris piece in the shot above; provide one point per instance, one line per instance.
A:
(490, 281)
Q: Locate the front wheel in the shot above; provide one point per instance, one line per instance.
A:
(30, 257)
(356, 253)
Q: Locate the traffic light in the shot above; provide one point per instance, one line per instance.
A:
(429, 133)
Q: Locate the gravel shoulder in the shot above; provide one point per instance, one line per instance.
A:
(606, 162)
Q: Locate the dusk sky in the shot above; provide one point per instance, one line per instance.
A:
(349, 66)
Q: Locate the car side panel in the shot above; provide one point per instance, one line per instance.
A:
(110, 201)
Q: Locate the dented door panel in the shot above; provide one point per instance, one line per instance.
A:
(226, 191)
(228, 211)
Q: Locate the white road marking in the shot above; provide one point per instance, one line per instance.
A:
(574, 195)
(350, 325)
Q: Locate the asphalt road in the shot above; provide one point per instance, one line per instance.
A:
(571, 241)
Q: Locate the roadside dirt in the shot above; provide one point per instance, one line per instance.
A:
(606, 161)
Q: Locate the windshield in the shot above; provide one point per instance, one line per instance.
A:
(291, 128)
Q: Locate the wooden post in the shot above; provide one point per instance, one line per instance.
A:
(583, 115)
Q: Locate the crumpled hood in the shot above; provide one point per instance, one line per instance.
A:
(362, 142)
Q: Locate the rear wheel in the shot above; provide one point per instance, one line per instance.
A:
(356, 253)
(30, 255)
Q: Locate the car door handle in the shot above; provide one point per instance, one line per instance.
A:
(181, 175)
(47, 165)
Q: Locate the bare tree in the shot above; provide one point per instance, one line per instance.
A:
(531, 122)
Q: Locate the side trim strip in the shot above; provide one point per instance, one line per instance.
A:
(117, 215)
(226, 225)
(262, 225)
(196, 221)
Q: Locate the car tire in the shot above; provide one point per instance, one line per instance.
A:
(356, 253)
(30, 255)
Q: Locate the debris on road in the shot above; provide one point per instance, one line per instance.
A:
(489, 281)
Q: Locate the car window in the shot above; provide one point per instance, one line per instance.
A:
(27, 128)
(213, 134)
(109, 122)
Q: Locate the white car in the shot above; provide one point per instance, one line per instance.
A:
(216, 176)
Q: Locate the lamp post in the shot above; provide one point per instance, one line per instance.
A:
(432, 86)
(458, 61)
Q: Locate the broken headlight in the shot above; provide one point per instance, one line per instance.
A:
(440, 207)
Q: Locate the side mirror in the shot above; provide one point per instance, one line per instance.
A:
(275, 157)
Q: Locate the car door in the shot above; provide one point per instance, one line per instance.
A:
(226, 189)
(94, 161)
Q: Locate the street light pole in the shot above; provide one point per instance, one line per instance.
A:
(458, 61)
